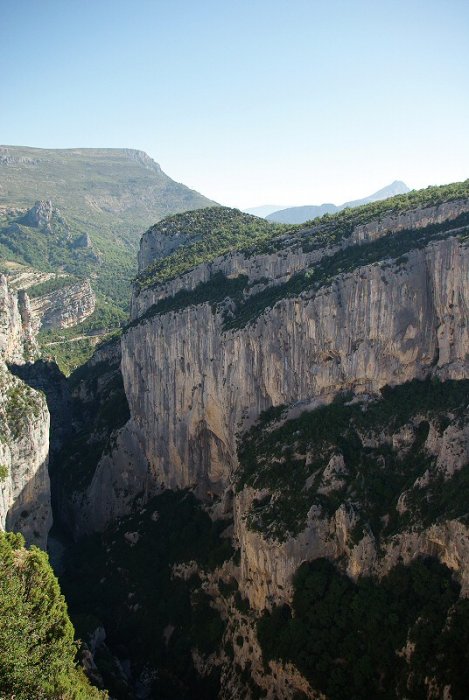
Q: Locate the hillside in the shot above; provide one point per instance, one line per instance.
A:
(101, 202)
(82, 212)
(298, 215)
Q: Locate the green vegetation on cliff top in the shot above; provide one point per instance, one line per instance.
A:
(212, 232)
(218, 231)
(37, 649)
(249, 306)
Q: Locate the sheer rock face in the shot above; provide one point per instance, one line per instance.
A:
(191, 387)
(155, 246)
(16, 332)
(24, 439)
(63, 308)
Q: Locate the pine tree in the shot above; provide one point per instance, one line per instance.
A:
(37, 648)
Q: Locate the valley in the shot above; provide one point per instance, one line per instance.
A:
(258, 487)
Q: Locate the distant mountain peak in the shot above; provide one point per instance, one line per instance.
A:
(298, 215)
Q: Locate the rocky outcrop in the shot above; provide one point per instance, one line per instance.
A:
(63, 308)
(83, 241)
(39, 216)
(156, 244)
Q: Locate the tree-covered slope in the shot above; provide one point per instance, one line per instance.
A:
(37, 648)
(205, 235)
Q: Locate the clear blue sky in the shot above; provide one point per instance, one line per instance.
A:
(249, 101)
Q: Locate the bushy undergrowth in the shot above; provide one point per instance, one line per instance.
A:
(349, 639)
(274, 458)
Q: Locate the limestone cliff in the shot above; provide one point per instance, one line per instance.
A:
(25, 504)
(192, 387)
(64, 308)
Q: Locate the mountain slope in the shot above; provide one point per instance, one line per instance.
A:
(121, 186)
(82, 212)
(97, 203)
(298, 215)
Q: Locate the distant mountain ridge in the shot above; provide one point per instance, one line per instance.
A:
(263, 210)
(298, 215)
(113, 182)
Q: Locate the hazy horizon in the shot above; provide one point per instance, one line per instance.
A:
(365, 94)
